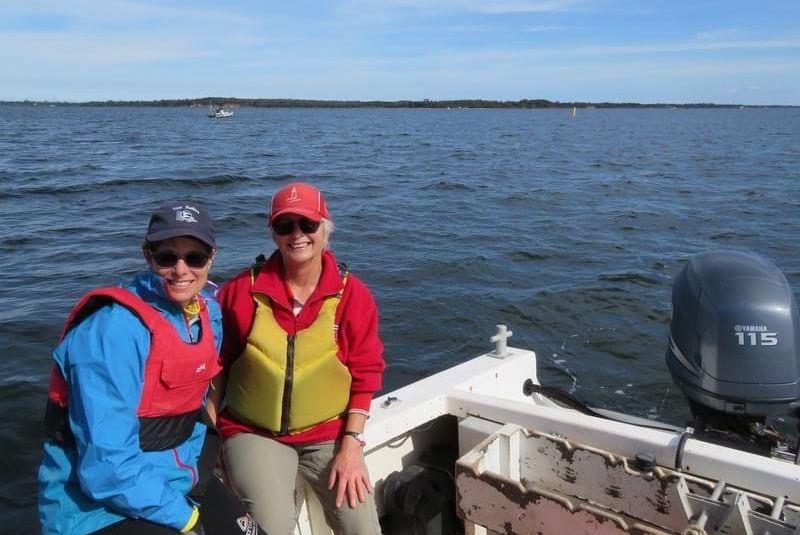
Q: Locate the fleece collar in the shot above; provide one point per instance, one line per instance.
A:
(270, 281)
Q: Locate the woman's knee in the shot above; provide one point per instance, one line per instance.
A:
(361, 520)
(263, 472)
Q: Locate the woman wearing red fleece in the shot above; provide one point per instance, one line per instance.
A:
(303, 359)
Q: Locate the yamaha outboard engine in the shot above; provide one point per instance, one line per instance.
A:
(734, 347)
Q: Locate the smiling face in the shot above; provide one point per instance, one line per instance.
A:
(182, 282)
(297, 247)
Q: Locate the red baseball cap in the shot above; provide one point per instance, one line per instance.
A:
(299, 198)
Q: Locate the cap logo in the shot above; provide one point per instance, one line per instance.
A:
(293, 196)
(184, 213)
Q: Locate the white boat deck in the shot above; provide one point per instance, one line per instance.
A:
(714, 489)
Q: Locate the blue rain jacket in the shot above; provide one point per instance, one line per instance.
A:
(106, 477)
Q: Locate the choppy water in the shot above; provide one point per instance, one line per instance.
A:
(566, 229)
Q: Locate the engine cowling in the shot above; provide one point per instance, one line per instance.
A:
(734, 337)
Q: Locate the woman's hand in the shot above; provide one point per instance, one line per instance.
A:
(216, 391)
(348, 474)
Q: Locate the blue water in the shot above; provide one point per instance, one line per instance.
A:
(567, 229)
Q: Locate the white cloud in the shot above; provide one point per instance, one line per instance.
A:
(566, 55)
(112, 32)
(716, 35)
(524, 6)
(476, 29)
(127, 11)
(691, 46)
(366, 7)
(79, 51)
(240, 39)
(541, 29)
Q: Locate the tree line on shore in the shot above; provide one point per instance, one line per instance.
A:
(427, 103)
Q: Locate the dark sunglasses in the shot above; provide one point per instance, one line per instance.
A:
(168, 259)
(285, 226)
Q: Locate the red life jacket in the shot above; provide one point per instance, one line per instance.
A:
(176, 374)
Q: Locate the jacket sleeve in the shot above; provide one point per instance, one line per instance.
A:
(363, 347)
(103, 361)
(237, 315)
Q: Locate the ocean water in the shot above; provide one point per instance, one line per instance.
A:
(567, 229)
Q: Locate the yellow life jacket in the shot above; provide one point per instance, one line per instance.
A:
(287, 383)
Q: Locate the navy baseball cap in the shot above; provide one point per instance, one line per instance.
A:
(180, 218)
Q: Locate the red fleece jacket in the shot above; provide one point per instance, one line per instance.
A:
(360, 348)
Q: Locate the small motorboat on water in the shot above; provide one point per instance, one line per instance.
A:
(484, 448)
(218, 112)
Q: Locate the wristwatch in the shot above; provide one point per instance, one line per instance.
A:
(356, 435)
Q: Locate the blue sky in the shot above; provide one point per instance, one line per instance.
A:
(723, 51)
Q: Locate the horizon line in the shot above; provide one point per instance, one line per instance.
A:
(299, 102)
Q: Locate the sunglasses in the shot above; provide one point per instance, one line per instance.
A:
(285, 226)
(168, 259)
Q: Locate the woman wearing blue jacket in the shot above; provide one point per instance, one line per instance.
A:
(127, 393)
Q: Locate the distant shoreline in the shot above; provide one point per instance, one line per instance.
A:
(430, 104)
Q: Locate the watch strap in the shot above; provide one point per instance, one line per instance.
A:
(356, 435)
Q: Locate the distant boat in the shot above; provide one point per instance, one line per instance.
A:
(218, 112)
(574, 110)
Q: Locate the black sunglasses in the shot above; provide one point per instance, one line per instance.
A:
(285, 226)
(168, 259)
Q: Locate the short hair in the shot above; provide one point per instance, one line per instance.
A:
(327, 228)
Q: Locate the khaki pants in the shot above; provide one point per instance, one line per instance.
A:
(263, 472)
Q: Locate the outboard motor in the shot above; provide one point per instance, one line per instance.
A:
(734, 348)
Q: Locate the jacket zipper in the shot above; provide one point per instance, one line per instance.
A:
(287, 384)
